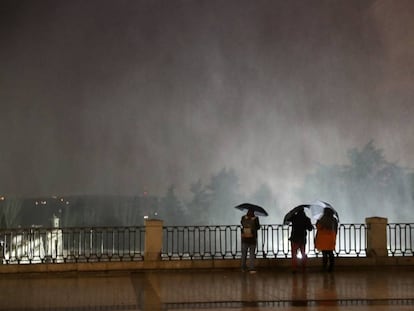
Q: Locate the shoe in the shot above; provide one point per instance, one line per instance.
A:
(251, 271)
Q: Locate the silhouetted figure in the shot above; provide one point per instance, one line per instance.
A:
(325, 240)
(250, 224)
(300, 225)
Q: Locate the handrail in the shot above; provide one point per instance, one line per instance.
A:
(217, 242)
(80, 244)
(400, 239)
(223, 242)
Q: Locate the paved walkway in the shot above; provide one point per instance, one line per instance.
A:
(389, 288)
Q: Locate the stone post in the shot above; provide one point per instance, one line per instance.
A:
(153, 239)
(376, 236)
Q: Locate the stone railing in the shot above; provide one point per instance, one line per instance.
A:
(156, 246)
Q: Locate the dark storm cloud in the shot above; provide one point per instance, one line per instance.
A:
(113, 97)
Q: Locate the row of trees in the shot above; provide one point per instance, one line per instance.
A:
(368, 185)
(208, 204)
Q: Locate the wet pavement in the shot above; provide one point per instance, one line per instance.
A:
(380, 288)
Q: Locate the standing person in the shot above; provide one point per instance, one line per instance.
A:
(300, 225)
(250, 224)
(325, 240)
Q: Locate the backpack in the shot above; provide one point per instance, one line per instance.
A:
(248, 227)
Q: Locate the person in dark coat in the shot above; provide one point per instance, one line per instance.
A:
(300, 225)
(250, 224)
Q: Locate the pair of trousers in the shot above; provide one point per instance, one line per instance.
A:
(328, 260)
(251, 248)
(295, 247)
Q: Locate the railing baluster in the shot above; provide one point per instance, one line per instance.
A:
(89, 244)
(56, 245)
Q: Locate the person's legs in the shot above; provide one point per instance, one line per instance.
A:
(331, 260)
(244, 256)
(304, 257)
(324, 259)
(294, 247)
(252, 256)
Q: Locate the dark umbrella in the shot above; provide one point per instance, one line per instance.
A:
(258, 210)
(293, 212)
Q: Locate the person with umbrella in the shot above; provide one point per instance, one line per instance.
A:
(325, 240)
(300, 225)
(250, 224)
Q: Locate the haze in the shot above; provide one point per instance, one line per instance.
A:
(121, 97)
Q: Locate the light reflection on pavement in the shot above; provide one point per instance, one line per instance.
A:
(382, 288)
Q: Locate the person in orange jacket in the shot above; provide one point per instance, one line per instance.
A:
(327, 227)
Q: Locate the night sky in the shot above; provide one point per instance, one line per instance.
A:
(121, 97)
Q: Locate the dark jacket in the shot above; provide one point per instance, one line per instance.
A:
(300, 224)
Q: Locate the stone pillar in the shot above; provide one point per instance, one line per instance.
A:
(153, 239)
(376, 236)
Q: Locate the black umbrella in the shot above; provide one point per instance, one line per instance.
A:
(294, 211)
(258, 210)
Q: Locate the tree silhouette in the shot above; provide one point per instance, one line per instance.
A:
(224, 195)
(10, 211)
(171, 209)
(198, 207)
(368, 186)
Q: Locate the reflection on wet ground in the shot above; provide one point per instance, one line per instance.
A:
(390, 288)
